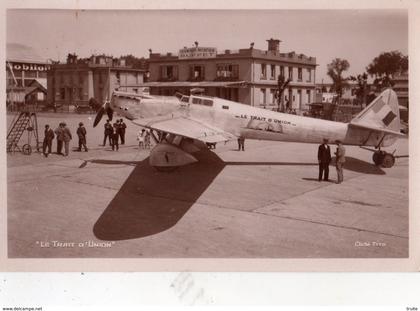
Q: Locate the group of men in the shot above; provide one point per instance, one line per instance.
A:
(114, 132)
(324, 159)
(64, 137)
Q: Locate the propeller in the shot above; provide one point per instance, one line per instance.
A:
(105, 108)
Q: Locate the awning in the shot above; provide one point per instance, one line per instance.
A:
(192, 84)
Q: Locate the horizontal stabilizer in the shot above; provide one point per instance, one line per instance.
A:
(382, 130)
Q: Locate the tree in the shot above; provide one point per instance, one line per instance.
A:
(362, 87)
(335, 71)
(135, 62)
(385, 66)
(281, 86)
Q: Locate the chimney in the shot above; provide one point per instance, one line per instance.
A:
(274, 45)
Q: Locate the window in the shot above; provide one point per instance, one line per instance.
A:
(202, 101)
(80, 93)
(309, 75)
(299, 74)
(168, 72)
(227, 71)
(197, 72)
(273, 93)
(117, 75)
(80, 78)
(291, 73)
(273, 72)
(263, 99)
(263, 71)
(282, 71)
(308, 96)
(62, 93)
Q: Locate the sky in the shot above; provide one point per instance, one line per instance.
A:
(356, 35)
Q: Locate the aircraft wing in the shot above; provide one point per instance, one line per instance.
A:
(377, 129)
(186, 127)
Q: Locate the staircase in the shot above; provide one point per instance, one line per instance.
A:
(25, 122)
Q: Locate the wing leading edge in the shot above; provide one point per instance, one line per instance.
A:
(186, 127)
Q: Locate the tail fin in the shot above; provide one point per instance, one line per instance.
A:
(382, 113)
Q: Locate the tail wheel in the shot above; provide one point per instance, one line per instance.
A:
(378, 157)
(388, 160)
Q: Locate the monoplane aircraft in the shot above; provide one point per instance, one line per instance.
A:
(183, 125)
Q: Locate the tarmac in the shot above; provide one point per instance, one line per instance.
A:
(265, 202)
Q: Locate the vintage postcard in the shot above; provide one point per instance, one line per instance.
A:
(209, 139)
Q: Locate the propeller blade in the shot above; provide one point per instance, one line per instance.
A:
(99, 116)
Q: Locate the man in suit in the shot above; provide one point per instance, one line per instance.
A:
(60, 138)
(241, 143)
(48, 138)
(114, 139)
(108, 130)
(81, 133)
(123, 126)
(339, 162)
(66, 137)
(324, 159)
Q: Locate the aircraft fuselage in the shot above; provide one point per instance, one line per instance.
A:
(255, 123)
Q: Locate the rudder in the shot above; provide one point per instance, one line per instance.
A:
(383, 112)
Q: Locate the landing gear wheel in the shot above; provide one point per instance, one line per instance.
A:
(167, 169)
(378, 157)
(388, 160)
(26, 149)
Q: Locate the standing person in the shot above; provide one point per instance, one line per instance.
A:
(241, 143)
(339, 162)
(141, 138)
(66, 137)
(107, 132)
(324, 159)
(117, 128)
(147, 139)
(123, 126)
(48, 138)
(60, 138)
(114, 139)
(81, 133)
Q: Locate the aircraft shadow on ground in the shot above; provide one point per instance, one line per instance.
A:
(150, 202)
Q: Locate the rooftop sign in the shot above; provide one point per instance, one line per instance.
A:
(197, 52)
(29, 66)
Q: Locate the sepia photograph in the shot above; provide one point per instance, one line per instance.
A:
(207, 134)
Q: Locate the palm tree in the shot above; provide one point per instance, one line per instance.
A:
(335, 72)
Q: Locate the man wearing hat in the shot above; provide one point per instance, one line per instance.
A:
(324, 159)
(66, 137)
(340, 159)
(123, 126)
(60, 137)
(81, 133)
(48, 138)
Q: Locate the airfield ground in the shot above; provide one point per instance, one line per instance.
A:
(265, 202)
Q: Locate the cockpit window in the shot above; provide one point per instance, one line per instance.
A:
(207, 102)
(202, 101)
(185, 99)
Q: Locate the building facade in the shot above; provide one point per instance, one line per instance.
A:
(80, 80)
(248, 76)
(26, 77)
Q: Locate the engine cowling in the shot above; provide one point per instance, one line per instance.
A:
(165, 155)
